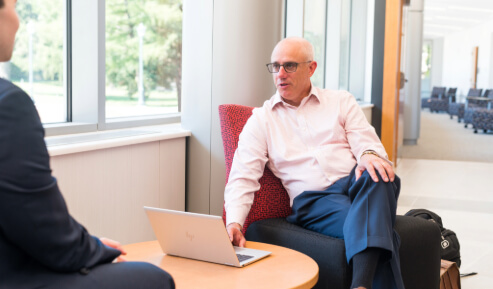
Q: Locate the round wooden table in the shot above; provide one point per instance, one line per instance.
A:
(284, 268)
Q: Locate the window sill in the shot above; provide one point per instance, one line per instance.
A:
(364, 105)
(80, 142)
(59, 129)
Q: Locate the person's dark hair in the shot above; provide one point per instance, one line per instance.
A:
(1, 3)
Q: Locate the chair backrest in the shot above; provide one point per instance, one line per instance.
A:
(437, 91)
(272, 200)
(452, 91)
(488, 93)
(474, 92)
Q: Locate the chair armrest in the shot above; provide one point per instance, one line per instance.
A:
(419, 252)
(328, 252)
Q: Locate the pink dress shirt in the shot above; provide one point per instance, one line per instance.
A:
(308, 147)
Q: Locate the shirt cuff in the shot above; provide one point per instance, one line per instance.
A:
(236, 215)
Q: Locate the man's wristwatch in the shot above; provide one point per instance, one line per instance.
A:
(370, 152)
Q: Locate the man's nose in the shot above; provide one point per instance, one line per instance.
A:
(282, 71)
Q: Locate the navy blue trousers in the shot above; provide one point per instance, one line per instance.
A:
(124, 275)
(362, 213)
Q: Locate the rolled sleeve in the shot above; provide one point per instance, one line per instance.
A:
(247, 168)
(361, 135)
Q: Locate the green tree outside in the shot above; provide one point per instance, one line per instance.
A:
(162, 52)
(162, 44)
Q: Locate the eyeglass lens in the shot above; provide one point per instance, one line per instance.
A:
(288, 66)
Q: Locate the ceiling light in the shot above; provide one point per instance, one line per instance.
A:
(465, 8)
(457, 19)
(434, 9)
(433, 33)
(443, 26)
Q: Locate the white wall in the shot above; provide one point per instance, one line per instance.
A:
(457, 58)
(436, 62)
(226, 45)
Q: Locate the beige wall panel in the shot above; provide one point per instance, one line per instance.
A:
(172, 174)
(106, 189)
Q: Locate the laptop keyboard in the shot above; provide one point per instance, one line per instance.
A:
(242, 258)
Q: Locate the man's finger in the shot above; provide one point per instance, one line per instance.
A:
(371, 171)
(242, 242)
(238, 239)
(121, 259)
(390, 172)
(231, 233)
(383, 171)
(358, 172)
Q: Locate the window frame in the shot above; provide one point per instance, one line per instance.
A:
(86, 71)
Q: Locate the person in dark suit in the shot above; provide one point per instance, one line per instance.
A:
(41, 245)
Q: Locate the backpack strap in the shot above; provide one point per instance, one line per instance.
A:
(426, 214)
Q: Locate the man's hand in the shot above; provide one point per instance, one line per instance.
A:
(372, 163)
(115, 245)
(235, 234)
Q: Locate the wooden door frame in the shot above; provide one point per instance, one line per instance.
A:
(391, 77)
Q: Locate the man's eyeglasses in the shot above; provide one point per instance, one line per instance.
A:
(288, 66)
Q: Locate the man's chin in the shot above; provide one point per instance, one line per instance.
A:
(286, 99)
(283, 93)
(4, 57)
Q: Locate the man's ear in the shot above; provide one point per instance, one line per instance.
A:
(313, 67)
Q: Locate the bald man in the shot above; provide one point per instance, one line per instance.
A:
(329, 159)
(41, 245)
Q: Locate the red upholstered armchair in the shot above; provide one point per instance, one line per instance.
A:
(266, 222)
(272, 200)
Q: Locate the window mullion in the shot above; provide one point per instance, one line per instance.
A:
(86, 51)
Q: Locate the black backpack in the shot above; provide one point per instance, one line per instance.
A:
(450, 244)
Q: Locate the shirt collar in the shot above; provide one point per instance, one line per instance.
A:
(277, 99)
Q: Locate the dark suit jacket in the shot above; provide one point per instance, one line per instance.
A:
(37, 234)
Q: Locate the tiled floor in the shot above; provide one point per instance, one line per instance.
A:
(462, 194)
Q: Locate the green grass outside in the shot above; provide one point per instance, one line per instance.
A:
(53, 91)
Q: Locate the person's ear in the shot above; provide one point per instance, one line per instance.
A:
(313, 66)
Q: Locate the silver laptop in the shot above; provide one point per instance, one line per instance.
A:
(198, 236)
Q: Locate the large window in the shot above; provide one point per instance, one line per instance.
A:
(96, 65)
(143, 57)
(37, 65)
(315, 20)
(345, 45)
(328, 26)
